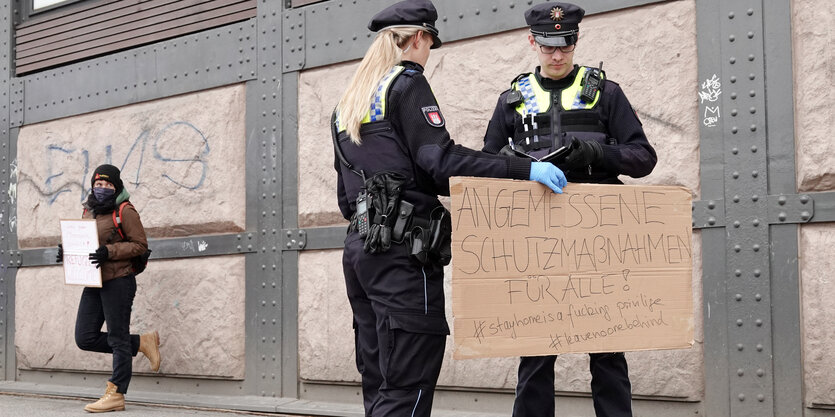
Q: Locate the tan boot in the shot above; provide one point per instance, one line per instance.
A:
(149, 346)
(110, 401)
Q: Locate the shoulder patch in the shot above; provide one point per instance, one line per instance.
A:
(433, 116)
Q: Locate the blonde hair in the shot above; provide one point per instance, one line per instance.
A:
(381, 56)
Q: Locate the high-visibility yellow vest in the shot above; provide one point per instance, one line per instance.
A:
(377, 111)
(538, 100)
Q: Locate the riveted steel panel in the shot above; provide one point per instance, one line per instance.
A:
(336, 31)
(290, 259)
(198, 61)
(711, 172)
(264, 273)
(185, 247)
(318, 238)
(293, 40)
(8, 183)
(785, 209)
(16, 102)
(746, 193)
(782, 178)
(707, 214)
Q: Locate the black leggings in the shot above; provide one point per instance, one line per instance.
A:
(112, 304)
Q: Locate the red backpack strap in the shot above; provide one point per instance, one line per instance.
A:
(117, 221)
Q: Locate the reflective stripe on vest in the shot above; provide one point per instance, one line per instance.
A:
(377, 111)
(571, 96)
(538, 100)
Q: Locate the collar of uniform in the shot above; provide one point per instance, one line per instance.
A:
(412, 66)
(560, 84)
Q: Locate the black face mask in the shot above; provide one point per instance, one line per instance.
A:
(103, 194)
(101, 201)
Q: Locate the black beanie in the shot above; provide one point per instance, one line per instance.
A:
(110, 174)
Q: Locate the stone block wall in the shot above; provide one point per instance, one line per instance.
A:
(814, 66)
(174, 155)
(467, 78)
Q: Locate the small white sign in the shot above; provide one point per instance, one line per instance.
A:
(80, 238)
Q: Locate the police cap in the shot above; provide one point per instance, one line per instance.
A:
(408, 13)
(555, 24)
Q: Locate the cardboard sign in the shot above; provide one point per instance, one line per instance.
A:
(599, 268)
(80, 238)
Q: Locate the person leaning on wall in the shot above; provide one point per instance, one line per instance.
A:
(112, 303)
(562, 105)
(393, 158)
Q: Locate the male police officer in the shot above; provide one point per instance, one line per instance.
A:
(562, 105)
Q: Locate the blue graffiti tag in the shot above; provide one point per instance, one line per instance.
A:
(198, 158)
(137, 150)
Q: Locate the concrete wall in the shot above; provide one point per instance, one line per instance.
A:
(467, 78)
(814, 66)
(175, 156)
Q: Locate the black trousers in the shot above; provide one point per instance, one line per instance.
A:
(400, 328)
(610, 387)
(111, 304)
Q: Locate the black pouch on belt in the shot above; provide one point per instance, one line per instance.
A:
(404, 220)
(384, 189)
(440, 226)
(433, 242)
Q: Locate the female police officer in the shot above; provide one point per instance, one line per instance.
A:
(393, 150)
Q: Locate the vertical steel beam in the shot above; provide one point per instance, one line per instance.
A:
(712, 182)
(265, 296)
(8, 182)
(782, 179)
(290, 216)
(746, 191)
(757, 293)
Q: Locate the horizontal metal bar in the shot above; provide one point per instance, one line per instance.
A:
(824, 207)
(169, 248)
(316, 238)
(707, 214)
(329, 32)
(782, 209)
(193, 62)
(787, 209)
(208, 245)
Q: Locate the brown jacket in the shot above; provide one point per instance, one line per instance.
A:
(119, 250)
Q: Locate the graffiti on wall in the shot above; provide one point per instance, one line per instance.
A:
(710, 92)
(12, 194)
(144, 150)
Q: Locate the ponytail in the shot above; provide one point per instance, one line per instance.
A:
(382, 55)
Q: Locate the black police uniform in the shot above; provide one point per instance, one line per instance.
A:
(623, 150)
(398, 302)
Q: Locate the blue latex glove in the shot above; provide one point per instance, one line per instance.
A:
(548, 174)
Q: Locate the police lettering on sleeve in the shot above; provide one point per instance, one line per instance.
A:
(433, 116)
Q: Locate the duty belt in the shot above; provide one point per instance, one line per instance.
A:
(428, 238)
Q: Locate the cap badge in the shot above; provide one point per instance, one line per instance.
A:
(557, 14)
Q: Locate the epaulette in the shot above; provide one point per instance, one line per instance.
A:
(514, 96)
(519, 77)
